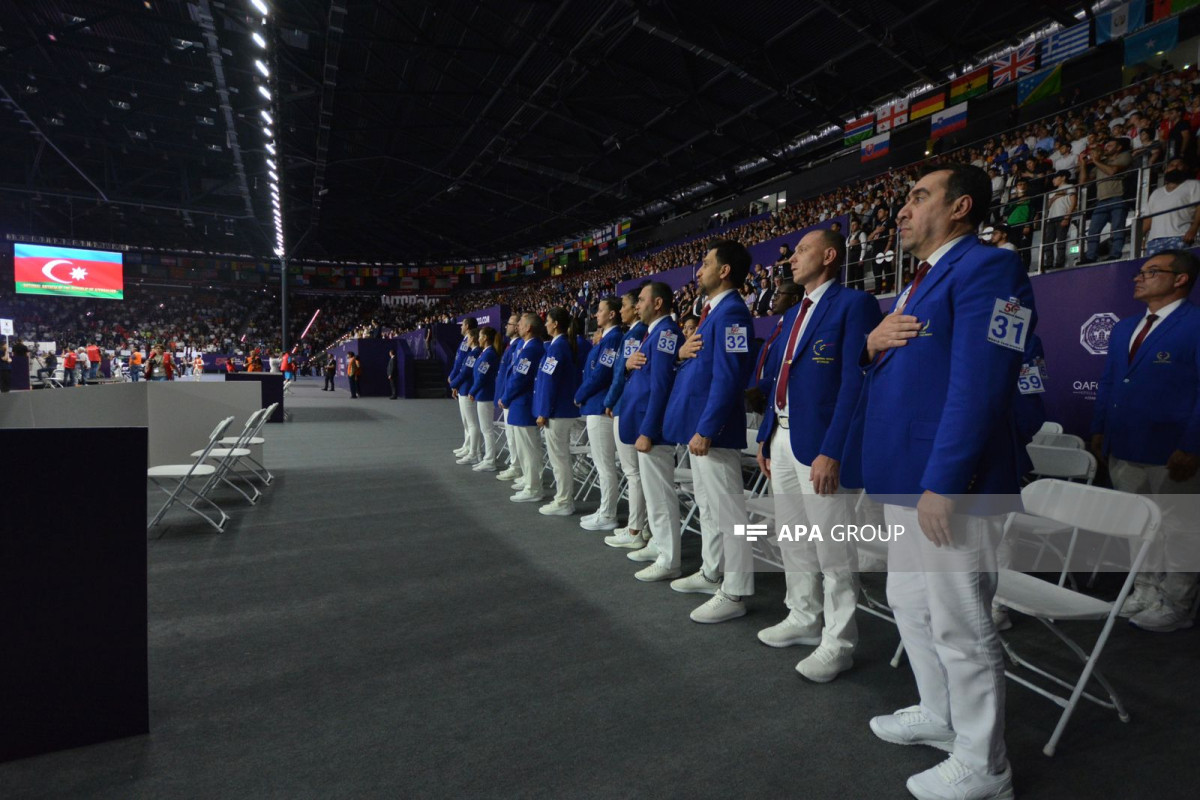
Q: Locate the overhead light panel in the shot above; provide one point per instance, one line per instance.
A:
(271, 172)
(261, 6)
(270, 163)
(268, 132)
(267, 116)
(261, 67)
(264, 91)
(258, 40)
(270, 148)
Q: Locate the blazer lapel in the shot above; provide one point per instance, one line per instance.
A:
(1155, 335)
(938, 273)
(818, 314)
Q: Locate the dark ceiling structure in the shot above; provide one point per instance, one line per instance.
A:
(415, 130)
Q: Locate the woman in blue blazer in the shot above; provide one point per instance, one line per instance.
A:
(518, 399)
(466, 377)
(555, 409)
(483, 392)
(597, 380)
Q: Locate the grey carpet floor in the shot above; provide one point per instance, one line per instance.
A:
(387, 624)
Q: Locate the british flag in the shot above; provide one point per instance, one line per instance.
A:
(1017, 63)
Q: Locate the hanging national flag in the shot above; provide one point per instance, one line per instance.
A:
(948, 120)
(1125, 18)
(875, 147)
(1067, 43)
(859, 129)
(1147, 45)
(1017, 63)
(891, 116)
(624, 226)
(1165, 8)
(926, 104)
(1039, 85)
(621, 241)
(970, 85)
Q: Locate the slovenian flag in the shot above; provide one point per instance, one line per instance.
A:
(859, 129)
(875, 147)
(948, 120)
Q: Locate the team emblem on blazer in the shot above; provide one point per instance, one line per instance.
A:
(1162, 357)
(821, 352)
(925, 329)
(1094, 333)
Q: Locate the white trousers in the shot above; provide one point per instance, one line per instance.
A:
(657, 469)
(513, 459)
(1169, 567)
(558, 445)
(474, 435)
(603, 448)
(487, 428)
(942, 601)
(717, 481)
(630, 465)
(462, 415)
(529, 453)
(809, 563)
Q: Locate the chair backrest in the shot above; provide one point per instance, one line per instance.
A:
(262, 420)
(1092, 508)
(1051, 427)
(253, 423)
(1062, 462)
(218, 432)
(1059, 440)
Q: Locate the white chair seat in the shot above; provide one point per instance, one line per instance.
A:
(224, 452)
(228, 440)
(180, 470)
(1039, 526)
(1037, 597)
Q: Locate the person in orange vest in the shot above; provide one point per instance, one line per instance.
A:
(94, 357)
(197, 367)
(69, 361)
(285, 366)
(353, 371)
(135, 364)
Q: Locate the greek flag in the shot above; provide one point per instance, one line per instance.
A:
(1066, 43)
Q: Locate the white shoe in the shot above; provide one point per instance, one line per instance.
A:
(654, 573)
(510, 474)
(587, 518)
(696, 583)
(913, 726)
(1162, 618)
(718, 608)
(598, 524)
(790, 632)
(461, 451)
(824, 664)
(485, 466)
(622, 539)
(954, 780)
(1000, 618)
(1139, 600)
(525, 496)
(467, 459)
(558, 509)
(647, 553)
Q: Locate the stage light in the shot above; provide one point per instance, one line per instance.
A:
(261, 6)
(267, 116)
(264, 91)
(258, 40)
(268, 132)
(270, 163)
(270, 148)
(266, 73)
(271, 172)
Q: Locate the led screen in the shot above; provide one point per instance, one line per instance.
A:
(68, 272)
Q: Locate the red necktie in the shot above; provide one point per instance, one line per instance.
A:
(1141, 336)
(781, 384)
(703, 314)
(762, 356)
(922, 271)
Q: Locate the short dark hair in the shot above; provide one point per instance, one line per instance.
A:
(735, 255)
(966, 180)
(1183, 262)
(471, 323)
(663, 292)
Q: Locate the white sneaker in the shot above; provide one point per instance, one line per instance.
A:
(1162, 618)
(790, 632)
(824, 664)
(587, 518)
(654, 573)
(558, 509)
(598, 524)
(467, 459)
(647, 553)
(461, 451)
(622, 539)
(954, 780)
(696, 583)
(525, 496)
(718, 608)
(510, 474)
(485, 466)
(913, 726)
(1139, 600)
(1000, 618)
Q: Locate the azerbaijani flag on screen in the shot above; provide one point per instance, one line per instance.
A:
(68, 272)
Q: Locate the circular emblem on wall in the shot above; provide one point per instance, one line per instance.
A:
(1093, 334)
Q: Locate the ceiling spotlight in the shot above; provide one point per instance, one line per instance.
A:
(270, 163)
(267, 116)
(267, 131)
(270, 148)
(271, 172)
(264, 91)
(258, 40)
(260, 5)
(266, 73)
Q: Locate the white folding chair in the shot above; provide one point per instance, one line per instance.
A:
(260, 470)
(1104, 511)
(1059, 440)
(1050, 461)
(1051, 427)
(227, 459)
(182, 473)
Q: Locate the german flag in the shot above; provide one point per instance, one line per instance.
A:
(972, 84)
(926, 104)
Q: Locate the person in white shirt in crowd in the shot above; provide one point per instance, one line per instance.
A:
(1172, 214)
(1060, 205)
(1063, 159)
(998, 236)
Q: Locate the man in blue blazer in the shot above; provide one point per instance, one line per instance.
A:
(707, 412)
(643, 404)
(635, 536)
(815, 379)
(513, 472)
(1147, 422)
(597, 380)
(455, 376)
(938, 434)
(518, 399)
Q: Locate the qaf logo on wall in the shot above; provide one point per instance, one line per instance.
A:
(1094, 333)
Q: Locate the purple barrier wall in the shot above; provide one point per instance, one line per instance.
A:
(414, 342)
(495, 316)
(373, 355)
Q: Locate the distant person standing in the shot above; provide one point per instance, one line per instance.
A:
(5, 369)
(135, 364)
(197, 367)
(69, 363)
(94, 358)
(330, 371)
(353, 372)
(82, 366)
(393, 372)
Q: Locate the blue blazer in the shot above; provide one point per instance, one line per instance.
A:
(583, 348)
(709, 396)
(629, 345)
(554, 387)
(459, 357)
(937, 413)
(1151, 408)
(506, 365)
(644, 400)
(466, 373)
(825, 379)
(483, 385)
(598, 374)
(518, 389)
